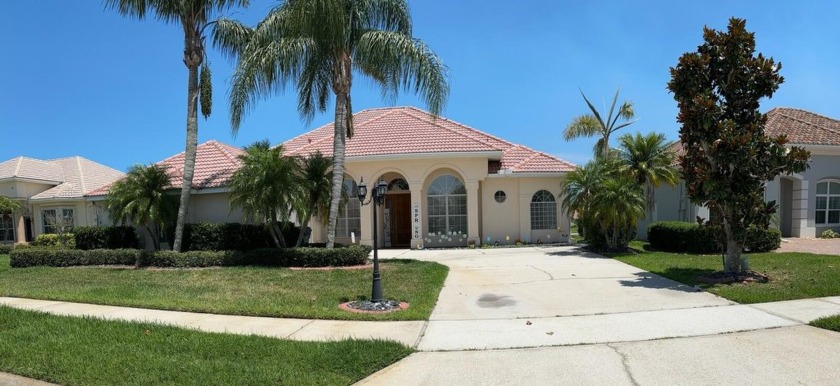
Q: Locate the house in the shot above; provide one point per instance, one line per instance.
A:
(448, 184)
(215, 163)
(809, 202)
(52, 194)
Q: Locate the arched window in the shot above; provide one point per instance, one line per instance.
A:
(447, 206)
(543, 210)
(349, 213)
(828, 203)
(398, 185)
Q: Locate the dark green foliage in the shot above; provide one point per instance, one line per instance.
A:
(54, 257)
(687, 237)
(54, 240)
(105, 237)
(267, 257)
(233, 236)
(6, 248)
(205, 92)
(728, 157)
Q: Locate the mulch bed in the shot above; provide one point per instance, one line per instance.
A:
(367, 307)
(349, 267)
(729, 278)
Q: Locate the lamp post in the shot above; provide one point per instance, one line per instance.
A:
(377, 197)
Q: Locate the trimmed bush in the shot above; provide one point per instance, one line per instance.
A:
(105, 237)
(6, 248)
(267, 257)
(233, 236)
(687, 237)
(829, 234)
(54, 240)
(56, 257)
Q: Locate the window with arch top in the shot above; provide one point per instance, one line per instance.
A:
(543, 210)
(447, 206)
(828, 202)
(349, 213)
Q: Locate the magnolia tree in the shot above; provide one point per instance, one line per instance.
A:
(728, 157)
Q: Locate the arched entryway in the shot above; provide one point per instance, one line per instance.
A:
(396, 213)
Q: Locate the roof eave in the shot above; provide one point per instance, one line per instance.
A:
(493, 155)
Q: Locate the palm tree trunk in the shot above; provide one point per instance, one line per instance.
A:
(303, 225)
(155, 237)
(189, 156)
(342, 73)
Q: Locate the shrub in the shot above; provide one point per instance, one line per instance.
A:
(56, 257)
(268, 257)
(54, 240)
(6, 248)
(233, 236)
(686, 237)
(829, 234)
(105, 237)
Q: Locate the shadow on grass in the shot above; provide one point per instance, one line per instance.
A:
(676, 279)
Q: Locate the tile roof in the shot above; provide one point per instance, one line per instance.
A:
(215, 163)
(72, 176)
(408, 130)
(803, 127)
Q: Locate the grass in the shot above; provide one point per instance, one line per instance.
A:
(828, 323)
(275, 292)
(77, 351)
(792, 275)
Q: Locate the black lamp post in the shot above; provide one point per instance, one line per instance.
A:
(377, 196)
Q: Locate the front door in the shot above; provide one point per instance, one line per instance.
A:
(400, 208)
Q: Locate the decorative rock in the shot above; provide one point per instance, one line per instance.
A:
(367, 306)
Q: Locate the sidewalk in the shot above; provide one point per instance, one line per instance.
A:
(405, 332)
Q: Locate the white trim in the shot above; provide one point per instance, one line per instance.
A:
(494, 155)
(30, 180)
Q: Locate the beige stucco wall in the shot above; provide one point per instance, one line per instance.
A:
(485, 216)
(213, 207)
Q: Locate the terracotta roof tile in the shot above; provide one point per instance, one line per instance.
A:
(803, 127)
(215, 163)
(408, 130)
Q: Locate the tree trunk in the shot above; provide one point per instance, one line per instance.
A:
(279, 239)
(341, 87)
(273, 233)
(734, 247)
(155, 238)
(303, 225)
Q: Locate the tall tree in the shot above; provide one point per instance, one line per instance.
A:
(141, 198)
(266, 186)
(318, 45)
(647, 160)
(314, 200)
(728, 156)
(194, 16)
(593, 124)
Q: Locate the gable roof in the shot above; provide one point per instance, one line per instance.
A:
(72, 176)
(803, 127)
(215, 163)
(408, 130)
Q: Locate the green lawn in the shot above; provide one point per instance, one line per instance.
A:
(78, 351)
(792, 275)
(276, 292)
(828, 323)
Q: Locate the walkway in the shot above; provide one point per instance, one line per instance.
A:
(820, 246)
(559, 315)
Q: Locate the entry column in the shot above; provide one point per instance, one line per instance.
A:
(416, 212)
(472, 212)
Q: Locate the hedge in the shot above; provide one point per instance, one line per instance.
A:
(267, 257)
(105, 237)
(6, 248)
(54, 240)
(233, 236)
(687, 237)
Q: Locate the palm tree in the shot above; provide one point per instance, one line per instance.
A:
(265, 187)
(315, 180)
(318, 45)
(194, 17)
(593, 124)
(617, 206)
(580, 185)
(141, 199)
(648, 161)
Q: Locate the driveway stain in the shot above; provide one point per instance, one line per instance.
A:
(495, 301)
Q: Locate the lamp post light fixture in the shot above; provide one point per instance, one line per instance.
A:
(377, 197)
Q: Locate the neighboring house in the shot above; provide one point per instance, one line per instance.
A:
(448, 184)
(809, 202)
(52, 193)
(215, 163)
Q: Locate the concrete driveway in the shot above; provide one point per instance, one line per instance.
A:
(562, 316)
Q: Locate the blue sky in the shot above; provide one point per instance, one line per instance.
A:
(76, 79)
